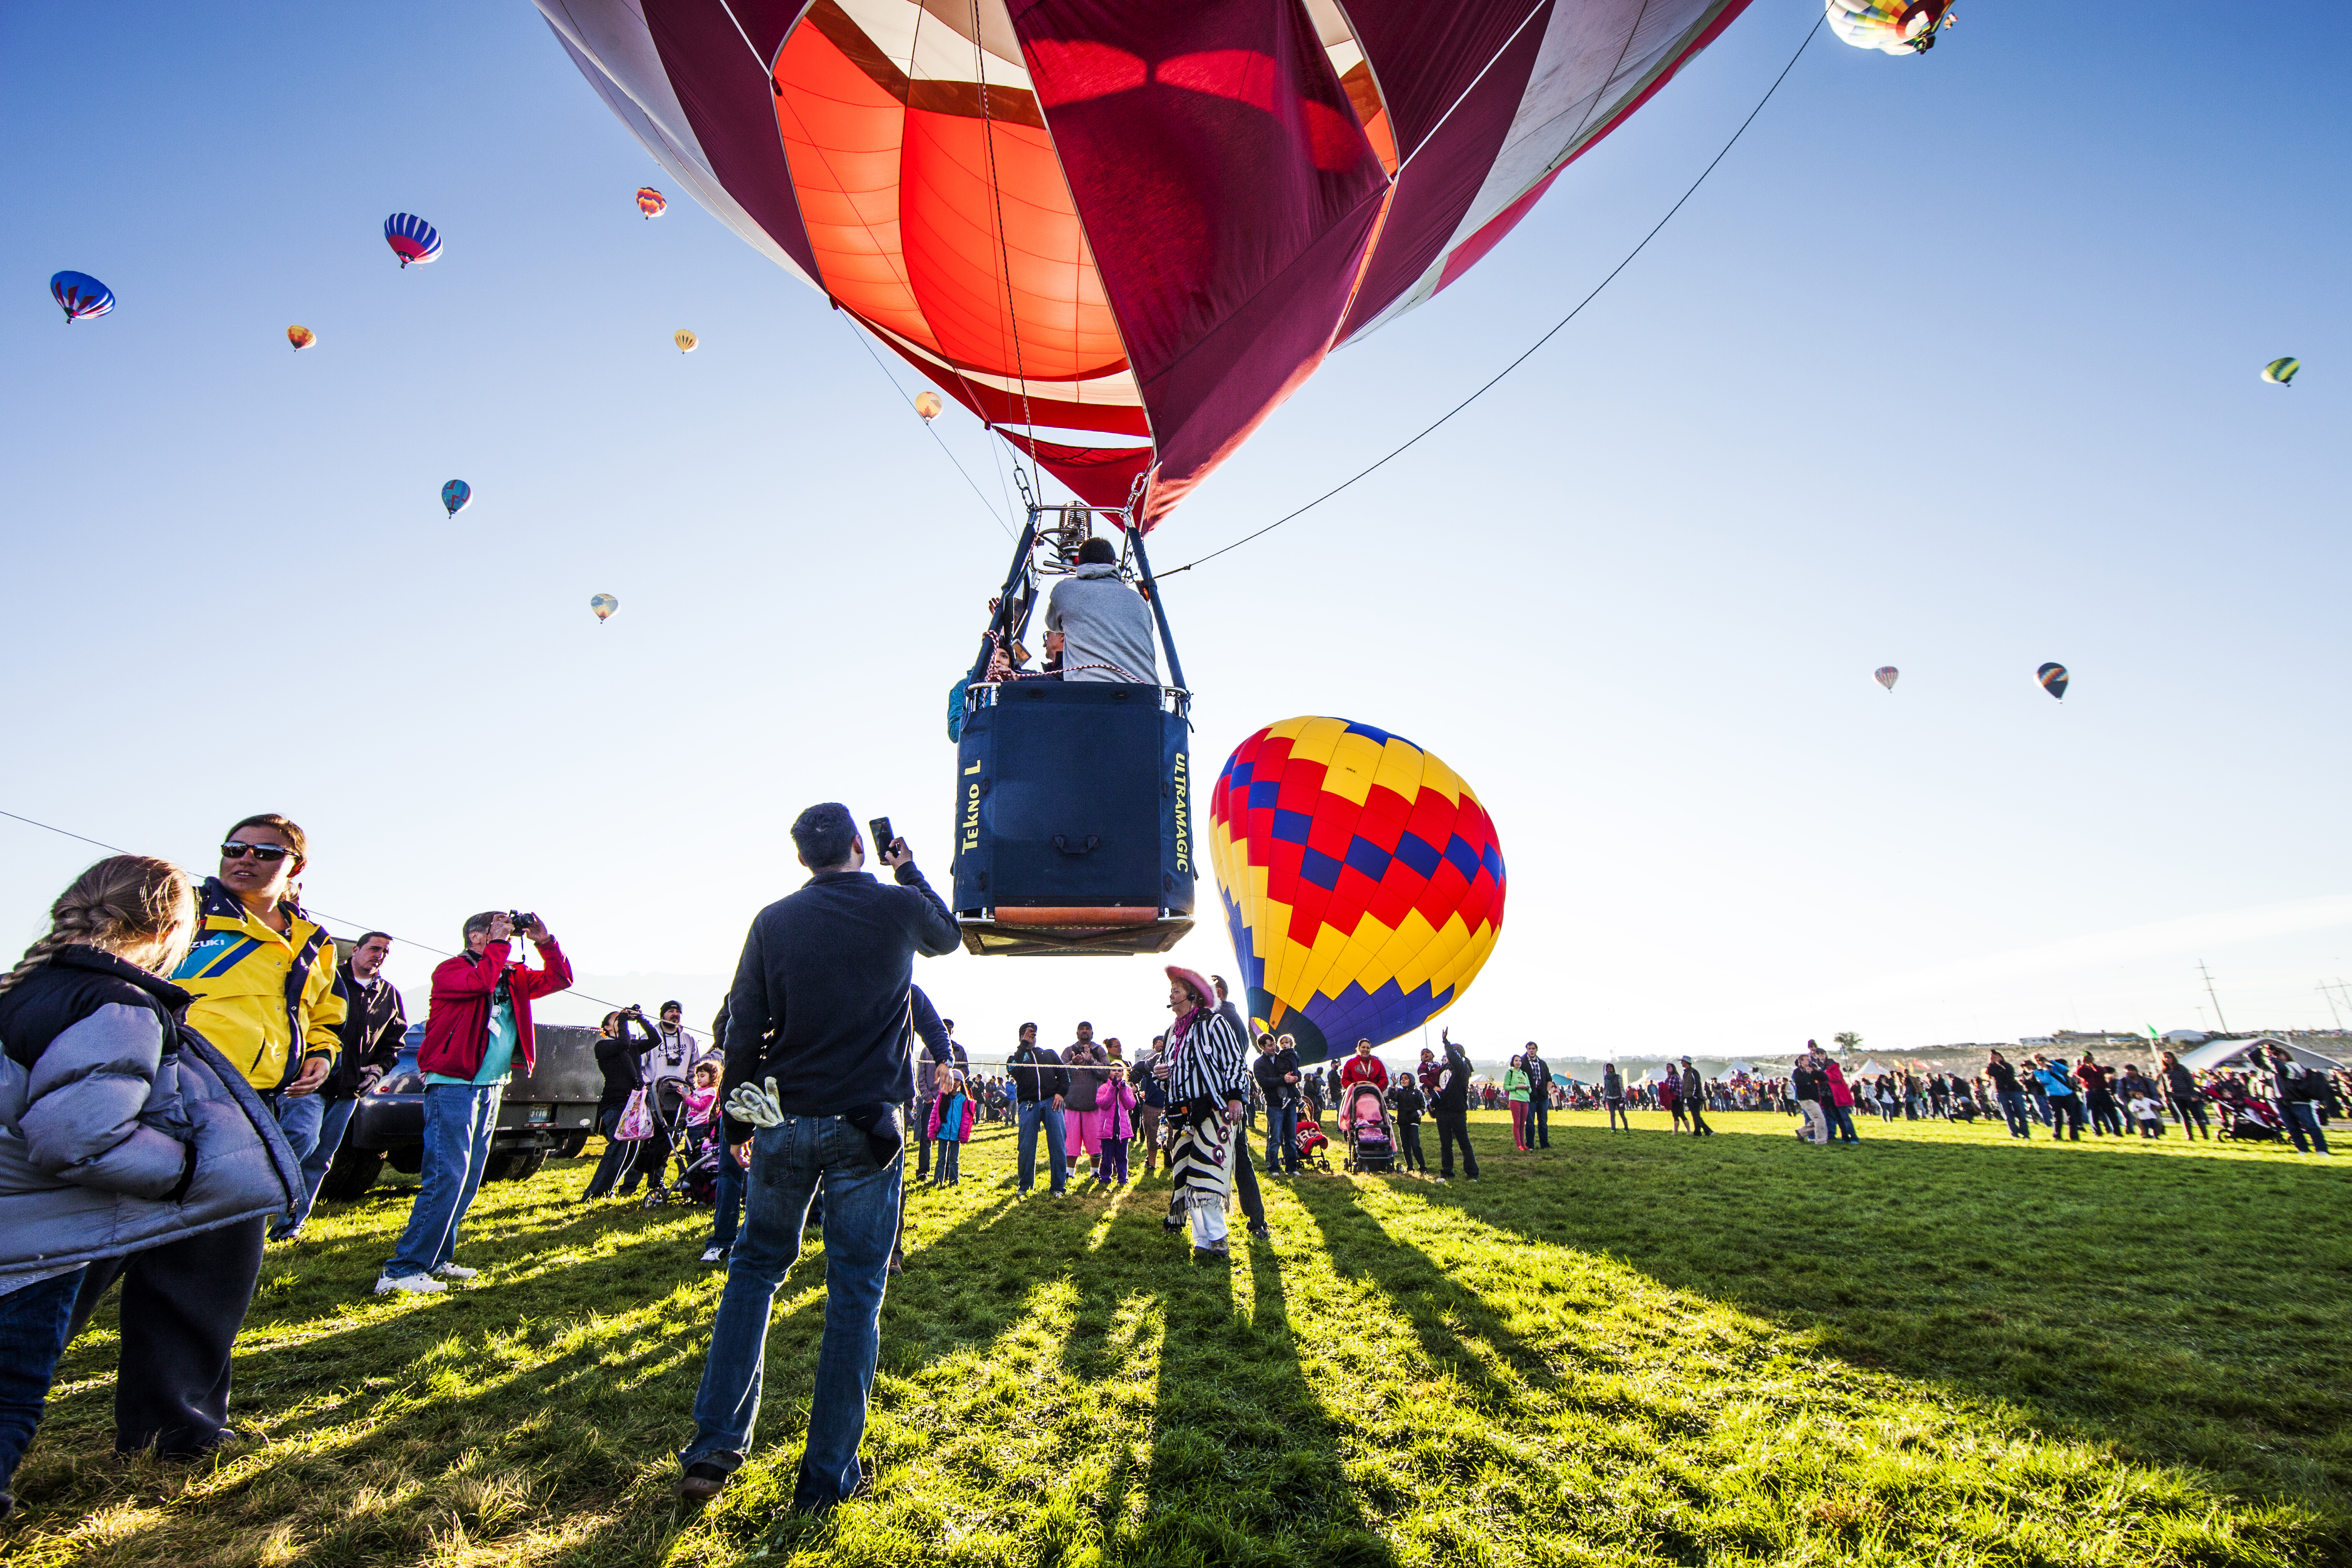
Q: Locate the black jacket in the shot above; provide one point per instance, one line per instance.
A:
(374, 1019)
(937, 1047)
(2003, 1076)
(1269, 1068)
(1404, 1096)
(1456, 1095)
(621, 1061)
(821, 1002)
(1539, 1073)
(1036, 1074)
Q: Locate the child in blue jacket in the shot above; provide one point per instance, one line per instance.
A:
(951, 1124)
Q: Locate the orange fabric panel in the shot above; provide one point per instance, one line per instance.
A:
(903, 220)
(960, 269)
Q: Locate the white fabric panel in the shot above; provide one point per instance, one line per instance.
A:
(609, 42)
(932, 41)
(1586, 69)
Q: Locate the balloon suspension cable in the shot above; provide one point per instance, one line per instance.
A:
(931, 429)
(1497, 378)
(1003, 247)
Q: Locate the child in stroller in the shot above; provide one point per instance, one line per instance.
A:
(1364, 1122)
(1308, 1139)
(696, 1139)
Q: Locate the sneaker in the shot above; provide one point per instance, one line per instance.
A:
(1258, 1227)
(701, 1483)
(714, 1255)
(414, 1284)
(1217, 1254)
(455, 1271)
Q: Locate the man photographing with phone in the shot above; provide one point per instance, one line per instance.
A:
(817, 1027)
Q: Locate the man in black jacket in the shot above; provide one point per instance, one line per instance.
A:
(816, 1047)
(620, 1057)
(1276, 1071)
(1039, 1083)
(375, 1019)
(1539, 1073)
(1450, 1111)
(2297, 1092)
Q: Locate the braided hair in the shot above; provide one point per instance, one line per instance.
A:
(124, 900)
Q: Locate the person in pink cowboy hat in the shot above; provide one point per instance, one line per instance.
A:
(1205, 1067)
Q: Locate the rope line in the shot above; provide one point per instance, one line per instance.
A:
(1497, 378)
(927, 427)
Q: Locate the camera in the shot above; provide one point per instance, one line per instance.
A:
(523, 922)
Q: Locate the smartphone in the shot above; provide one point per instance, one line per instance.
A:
(882, 836)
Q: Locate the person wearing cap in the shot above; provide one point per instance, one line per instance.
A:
(1207, 1087)
(1539, 1073)
(1695, 1100)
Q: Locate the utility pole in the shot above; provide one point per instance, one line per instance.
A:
(2209, 992)
(2323, 991)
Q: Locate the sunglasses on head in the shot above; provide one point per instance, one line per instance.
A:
(267, 854)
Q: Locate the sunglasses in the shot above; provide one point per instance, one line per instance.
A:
(267, 854)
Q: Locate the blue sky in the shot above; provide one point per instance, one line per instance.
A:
(1952, 366)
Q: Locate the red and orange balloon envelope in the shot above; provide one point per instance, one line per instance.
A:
(300, 337)
(1122, 234)
(651, 201)
(1362, 878)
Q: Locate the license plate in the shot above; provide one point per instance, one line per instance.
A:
(533, 1115)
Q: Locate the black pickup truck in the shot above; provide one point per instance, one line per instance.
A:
(550, 1109)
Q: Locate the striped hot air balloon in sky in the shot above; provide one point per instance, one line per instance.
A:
(1886, 675)
(2281, 370)
(651, 201)
(1121, 235)
(2053, 680)
(78, 294)
(1890, 26)
(1363, 880)
(411, 239)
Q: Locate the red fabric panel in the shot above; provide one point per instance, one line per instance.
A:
(1227, 191)
(1099, 476)
(730, 105)
(1424, 57)
(1471, 251)
(1000, 407)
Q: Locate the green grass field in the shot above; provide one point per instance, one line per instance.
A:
(1940, 1347)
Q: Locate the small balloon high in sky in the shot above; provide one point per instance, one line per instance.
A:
(1890, 26)
(455, 495)
(685, 341)
(1886, 675)
(78, 294)
(603, 604)
(651, 201)
(2280, 372)
(300, 337)
(2053, 680)
(411, 239)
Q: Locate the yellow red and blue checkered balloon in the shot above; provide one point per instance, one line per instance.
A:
(1363, 879)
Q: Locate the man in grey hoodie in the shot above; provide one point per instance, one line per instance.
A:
(1106, 626)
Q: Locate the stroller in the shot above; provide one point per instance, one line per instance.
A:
(2252, 1120)
(1364, 1122)
(1307, 1141)
(694, 1149)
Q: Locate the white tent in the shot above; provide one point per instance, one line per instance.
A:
(1742, 1067)
(2239, 1053)
(1870, 1067)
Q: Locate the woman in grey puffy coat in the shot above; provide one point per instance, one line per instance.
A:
(123, 1132)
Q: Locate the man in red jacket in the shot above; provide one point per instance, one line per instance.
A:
(480, 1023)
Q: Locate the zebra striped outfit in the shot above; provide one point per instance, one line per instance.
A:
(1206, 1072)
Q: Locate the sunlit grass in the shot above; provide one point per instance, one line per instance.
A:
(1938, 1347)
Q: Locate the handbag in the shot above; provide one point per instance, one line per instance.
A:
(636, 1118)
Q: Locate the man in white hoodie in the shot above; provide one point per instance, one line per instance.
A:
(1106, 626)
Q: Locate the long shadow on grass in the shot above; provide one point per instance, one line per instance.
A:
(1244, 1463)
(2190, 1312)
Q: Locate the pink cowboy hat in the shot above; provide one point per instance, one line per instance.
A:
(1196, 980)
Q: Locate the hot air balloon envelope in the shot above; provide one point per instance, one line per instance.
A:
(928, 404)
(651, 201)
(2053, 680)
(1362, 878)
(300, 337)
(411, 238)
(603, 604)
(1890, 26)
(2281, 370)
(455, 495)
(78, 294)
(1886, 675)
(684, 340)
(1135, 228)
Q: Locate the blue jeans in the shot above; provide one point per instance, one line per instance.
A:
(2303, 1117)
(458, 1121)
(791, 1163)
(2012, 1110)
(728, 1214)
(327, 1136)
(1045, 1113)
(1841, 1123)
(32, 1323)
(1281, 1121)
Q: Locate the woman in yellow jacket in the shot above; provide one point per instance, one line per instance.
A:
(262, 972)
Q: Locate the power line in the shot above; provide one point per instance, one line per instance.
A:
(312, 913)
(1499, 375)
